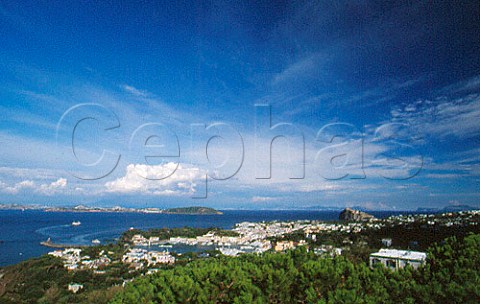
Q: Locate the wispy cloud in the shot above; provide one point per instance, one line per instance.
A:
(471, 85)
(443, 116)
(262, 199)
(381, 94)
(299, 70)
(444, 175)
(134, 91)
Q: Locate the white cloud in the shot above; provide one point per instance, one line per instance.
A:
(156, 180)
(53, 187)
(260, 199)
(28, 185)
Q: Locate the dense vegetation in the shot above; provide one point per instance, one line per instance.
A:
(452, 275)
(45, 280)
(415, 235)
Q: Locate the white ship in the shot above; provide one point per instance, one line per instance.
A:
(96, 241)
(76, 223)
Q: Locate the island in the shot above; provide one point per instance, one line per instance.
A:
(354, 215)
(192, 210)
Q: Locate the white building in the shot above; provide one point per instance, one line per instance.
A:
(74, 287)
(387, 242)
(229, 251)
(396, 259)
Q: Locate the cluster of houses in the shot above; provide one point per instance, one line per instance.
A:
(254, 231)
(228, 245)
(138, 257)
(312, 229)
(73, 260)
(255, 237)
(447, 219)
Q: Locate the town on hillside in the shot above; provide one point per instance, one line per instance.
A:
(395, 242)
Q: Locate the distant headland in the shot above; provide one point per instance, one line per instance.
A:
(194, 210)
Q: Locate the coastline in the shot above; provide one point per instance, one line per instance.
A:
(85, 209)
(50, 244)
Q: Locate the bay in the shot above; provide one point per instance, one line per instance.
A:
(22, 231)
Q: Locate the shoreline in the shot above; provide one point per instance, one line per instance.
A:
(108, 210)
(51, 244)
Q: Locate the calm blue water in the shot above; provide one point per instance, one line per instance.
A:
(22, 231)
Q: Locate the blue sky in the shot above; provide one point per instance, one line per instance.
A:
(371, 104)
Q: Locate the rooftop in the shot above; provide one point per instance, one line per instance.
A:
(400, 254)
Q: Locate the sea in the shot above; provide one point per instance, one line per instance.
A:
(22, 231)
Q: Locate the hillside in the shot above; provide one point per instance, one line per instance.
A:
(302, 277)
(45, 280)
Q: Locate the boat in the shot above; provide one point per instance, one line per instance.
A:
(96, 241)
(76, 223)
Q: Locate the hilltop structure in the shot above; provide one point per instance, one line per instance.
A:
(396, 259)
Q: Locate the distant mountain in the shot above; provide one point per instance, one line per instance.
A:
(450, 208)
(354, 215)
(457, 208)
(192, 210)
(428, 210)
(360, 208)
(318, 208)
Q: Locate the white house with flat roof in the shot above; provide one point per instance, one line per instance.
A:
(396, 259)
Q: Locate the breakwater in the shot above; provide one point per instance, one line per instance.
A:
(49, 243)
